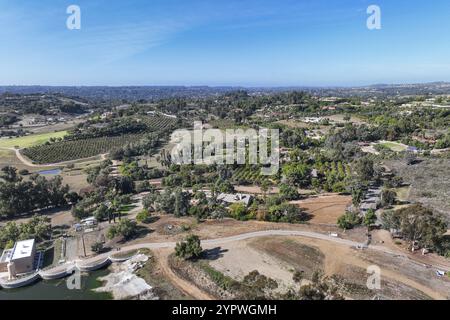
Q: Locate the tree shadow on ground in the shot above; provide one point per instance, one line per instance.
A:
(152, 219)
(213, 254)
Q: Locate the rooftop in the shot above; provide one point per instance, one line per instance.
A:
(6, 256)
(235, 198)
(23, 249)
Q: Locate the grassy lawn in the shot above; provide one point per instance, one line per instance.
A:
(31, 140)
(394, 146)
(125, 209)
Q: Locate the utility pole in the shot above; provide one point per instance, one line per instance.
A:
(84, 246)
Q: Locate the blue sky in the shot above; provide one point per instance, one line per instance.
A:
(223, 42)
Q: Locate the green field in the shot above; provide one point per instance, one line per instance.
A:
(31, 140)
(394, 146)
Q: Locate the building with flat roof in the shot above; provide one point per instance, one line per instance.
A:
(22, 255)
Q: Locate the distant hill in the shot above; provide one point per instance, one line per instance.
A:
(135, 93)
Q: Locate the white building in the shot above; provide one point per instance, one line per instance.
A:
(20, 258)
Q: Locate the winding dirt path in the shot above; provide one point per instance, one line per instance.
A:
(187, 287)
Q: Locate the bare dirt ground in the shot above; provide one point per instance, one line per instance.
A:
(162, 270)
(169, 228)
(404, 275)
(325, 209)
(180, 282)
(278, 257)
(238, 259)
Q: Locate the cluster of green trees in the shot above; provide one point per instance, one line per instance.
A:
(419, 225)
(296, 138)
(170, 201)
(18, 196)
(275, 208)
(124, 228)
(38, 228)
(444, 142)
(191, 175)
(107, 195)
(138, 172)
(319, 288)
(7, 119)
(332, 176)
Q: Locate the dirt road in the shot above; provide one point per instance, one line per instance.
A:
(28, 163)
(192, 290)
(185, 286)
(219, 241)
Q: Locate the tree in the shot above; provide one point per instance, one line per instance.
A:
(365, 169)
(144, 186)
(256, 286)
(388, 197)
(19, 197)
(38, 228)
(182, 203)
(163, 201)
(358, 194)
(218, 213)
(238, 211)
(9, 174)
(417, 224)
(320, 288)
(149, 201)
(97, 247)
(224, 186)
(190, 248)
(286, 212)
(125, 228)
(265, 186)
(289, 192)
(370, 218)
(143, 216)
(349, 220)
(102, 212)
(297, 174)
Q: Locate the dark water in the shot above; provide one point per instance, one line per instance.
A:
(57, 289)
(50, 172)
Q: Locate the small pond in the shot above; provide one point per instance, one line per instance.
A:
(50, 172)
